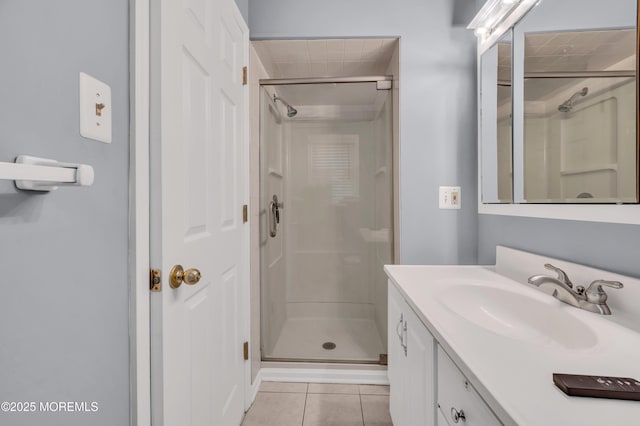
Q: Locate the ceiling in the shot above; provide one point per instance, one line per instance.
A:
(325, 58)
(329, 58)
(569, 51)
(579, 50)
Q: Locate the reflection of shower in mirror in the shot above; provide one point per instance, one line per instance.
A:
(567, 105)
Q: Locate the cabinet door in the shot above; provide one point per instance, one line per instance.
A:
(396, 368)
(420, 389)
(456, 395)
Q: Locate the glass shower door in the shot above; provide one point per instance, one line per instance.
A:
(325, 154)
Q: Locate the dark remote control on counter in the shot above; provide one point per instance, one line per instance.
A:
(598, 386)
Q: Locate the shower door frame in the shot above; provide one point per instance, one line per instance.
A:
(383, 82)
(325, 80)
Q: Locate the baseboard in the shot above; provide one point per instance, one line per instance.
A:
(255, 387)
(325, 375)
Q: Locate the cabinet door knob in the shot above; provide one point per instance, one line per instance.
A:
(457, 415)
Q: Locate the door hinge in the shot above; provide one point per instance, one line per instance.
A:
(155, 280)
(383, 359)
(245, 213)
(245, 351)
(244, 76)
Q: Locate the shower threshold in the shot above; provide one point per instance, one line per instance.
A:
(322, 361)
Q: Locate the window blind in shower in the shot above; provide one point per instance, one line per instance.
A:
(333, 162)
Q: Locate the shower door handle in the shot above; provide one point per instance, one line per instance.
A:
(273, 224)
(274, 215)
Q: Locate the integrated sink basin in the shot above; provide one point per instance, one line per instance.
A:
(518, 316)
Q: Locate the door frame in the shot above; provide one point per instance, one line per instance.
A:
(139, 189)
(139, 217)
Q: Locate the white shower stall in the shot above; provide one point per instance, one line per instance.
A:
(326, 218)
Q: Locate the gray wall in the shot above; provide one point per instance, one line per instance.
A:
(64, 303)
(608, 246)
(437, 105)
(243, 5)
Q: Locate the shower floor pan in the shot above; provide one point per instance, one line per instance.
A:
(328, 340)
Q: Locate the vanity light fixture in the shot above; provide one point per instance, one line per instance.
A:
(492, 13)
(480, 31)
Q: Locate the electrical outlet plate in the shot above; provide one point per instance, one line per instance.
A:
(449, 197)
(95, 109)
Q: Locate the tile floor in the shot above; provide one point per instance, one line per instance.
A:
(317, 404)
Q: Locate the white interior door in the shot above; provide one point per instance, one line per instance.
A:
(198, 186)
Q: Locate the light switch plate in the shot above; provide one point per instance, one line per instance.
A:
(95, 109)
(449, 197)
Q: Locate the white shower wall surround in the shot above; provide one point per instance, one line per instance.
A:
(272, 262)
(330, 194)
(335, 181)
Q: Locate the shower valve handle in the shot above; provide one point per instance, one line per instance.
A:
(274, 210)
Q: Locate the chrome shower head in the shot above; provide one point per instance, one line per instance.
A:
(567, 105)
(291, 111)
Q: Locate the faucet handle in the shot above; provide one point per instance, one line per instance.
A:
(562, 275)
(595, 293)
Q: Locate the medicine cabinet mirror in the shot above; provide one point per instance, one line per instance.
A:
(497, 127)
(572, 125)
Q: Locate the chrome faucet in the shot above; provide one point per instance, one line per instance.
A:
(592, 299)
(562, 275)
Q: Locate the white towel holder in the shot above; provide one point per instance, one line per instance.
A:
(43, 174)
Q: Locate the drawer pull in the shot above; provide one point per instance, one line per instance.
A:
(457, 415)
(398, 328)
(401, 331)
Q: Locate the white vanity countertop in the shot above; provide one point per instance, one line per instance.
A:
(513, 374)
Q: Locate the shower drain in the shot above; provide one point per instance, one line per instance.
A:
(329, 345)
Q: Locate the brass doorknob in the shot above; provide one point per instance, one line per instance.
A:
(191, 276)
(178, 275)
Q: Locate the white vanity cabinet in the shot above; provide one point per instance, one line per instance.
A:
(458, 401)
(416, 397)
(411, 365)
(485, 325)
(396, 360)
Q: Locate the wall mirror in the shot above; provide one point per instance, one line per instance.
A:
(580, 142)
(574, 95)
(495, 95)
